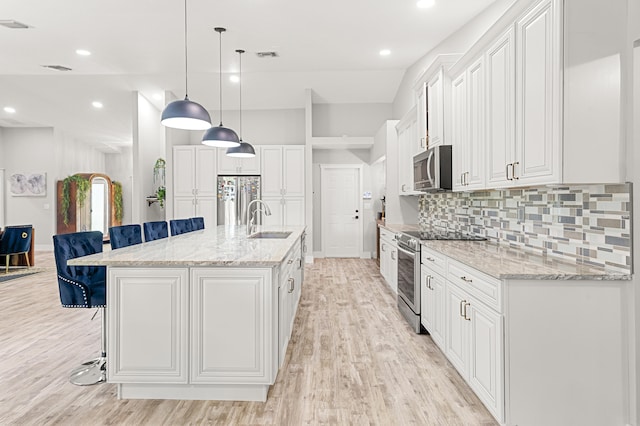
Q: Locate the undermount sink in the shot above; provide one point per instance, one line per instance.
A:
(267, 234)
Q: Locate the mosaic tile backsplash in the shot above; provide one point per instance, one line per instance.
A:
(588, 224)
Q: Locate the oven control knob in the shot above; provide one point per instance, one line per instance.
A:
(413, 244)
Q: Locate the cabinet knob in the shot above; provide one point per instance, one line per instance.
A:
(291, 285)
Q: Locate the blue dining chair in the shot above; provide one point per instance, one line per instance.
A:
(83, 287)
(180, 226)
(197, 223)
(124, 236)
(155, 230)
(16, 240)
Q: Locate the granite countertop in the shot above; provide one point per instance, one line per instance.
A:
(504, 262)
(399, 227)
(218, 246)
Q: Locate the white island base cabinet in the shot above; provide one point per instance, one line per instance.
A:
(192, 333)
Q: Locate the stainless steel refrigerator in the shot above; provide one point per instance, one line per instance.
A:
(234, 195)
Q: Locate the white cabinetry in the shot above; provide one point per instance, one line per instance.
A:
(435, 110)
(432, 296)
(289, 292)
(283, 183)
(138, 328)
(467, 127)
(407, 137)
(194, 182)
(389, 259)
(239, 166)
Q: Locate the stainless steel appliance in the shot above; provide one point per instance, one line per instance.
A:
(409, 269)
(234, 195)
(432, 169)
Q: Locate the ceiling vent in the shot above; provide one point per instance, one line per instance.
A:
(57, 67)
(14, 25)
(267, 54)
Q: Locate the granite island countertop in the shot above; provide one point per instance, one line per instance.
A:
(504, 262)
(217, 246)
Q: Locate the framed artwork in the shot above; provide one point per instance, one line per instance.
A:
(28, 184)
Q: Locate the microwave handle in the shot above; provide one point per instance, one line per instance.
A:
(429, 159)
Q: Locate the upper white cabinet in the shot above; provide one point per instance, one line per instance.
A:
(282, 170)
(407, 137)
(239, 166)
(194, 182)
(283, 181)
(467, 127)
(435, 111)
(538, 149)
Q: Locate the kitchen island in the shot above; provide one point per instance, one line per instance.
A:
(202, 315)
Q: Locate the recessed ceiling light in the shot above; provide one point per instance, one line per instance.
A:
(385, 52)
(83, 52)
(10, 110)
(234, 78)
(425, 4)
(97, 104)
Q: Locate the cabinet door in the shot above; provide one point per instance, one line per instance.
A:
(475, 124)
(437, 291)
(227, 165)
(206, 207)
(385, 256)
(457, 329)
(421, 102)
(276, 206)
(500, 113)
(435, 100)
(393, 269)
(486, 357)
(538, 89)
(293, 170)
(293, 211)
(271, 159)
(283, 314)
(149, 315)
(205, 171)
(184, 207)
(426, 299)
(459, 130)
(240, 351)
(250, 166)
(407, 134)
(184, 181)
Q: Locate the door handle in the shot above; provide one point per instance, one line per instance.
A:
(462, 302)
(513, 170)
(465, 310)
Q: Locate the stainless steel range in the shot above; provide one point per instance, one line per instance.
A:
(409, 269)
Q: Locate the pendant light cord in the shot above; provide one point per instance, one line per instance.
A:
(240, 52)
(186, 67)
(220, 33)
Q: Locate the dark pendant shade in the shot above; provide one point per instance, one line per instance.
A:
(221, 137)
(186, 115)
(244, 150)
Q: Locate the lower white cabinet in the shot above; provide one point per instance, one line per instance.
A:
(389, 260)
(432, 304)
(230, 323)
(289, 292)
(147, 314)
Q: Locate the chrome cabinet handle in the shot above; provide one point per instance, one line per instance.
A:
(383, 247)
(299, 263)
(469, 280)
(430, 259)
(403, 187)
(462, 302)
(291, 285)
(393, 255)
(513, 170)
(465, 310)
(507, 171)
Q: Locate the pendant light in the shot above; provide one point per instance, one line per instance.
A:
(185, 114)
(220, 136)
(244, 150)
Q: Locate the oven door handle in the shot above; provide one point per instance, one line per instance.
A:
(411, 254)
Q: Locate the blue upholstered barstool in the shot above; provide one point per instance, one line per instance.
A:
(180, 226)
(83, 287)
(16, 240)
(124, 236)
(197, 223)
(155, 230)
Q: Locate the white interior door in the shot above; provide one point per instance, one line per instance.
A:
(341, 210)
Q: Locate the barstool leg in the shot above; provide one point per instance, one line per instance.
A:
(94, 371)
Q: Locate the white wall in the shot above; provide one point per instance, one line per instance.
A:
(148, 146)
(458, 42)
(349, 119)
(2, 181)
(261, 127)
(333, 156)
(120, 169)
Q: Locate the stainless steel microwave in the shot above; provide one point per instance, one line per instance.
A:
(432, 169)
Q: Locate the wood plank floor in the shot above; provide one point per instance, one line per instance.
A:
(352, 360)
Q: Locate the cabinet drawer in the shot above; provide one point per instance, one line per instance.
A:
(485, 288)
(386, 234)
(433, 260)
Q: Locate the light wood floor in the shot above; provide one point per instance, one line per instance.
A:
(352, 360)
